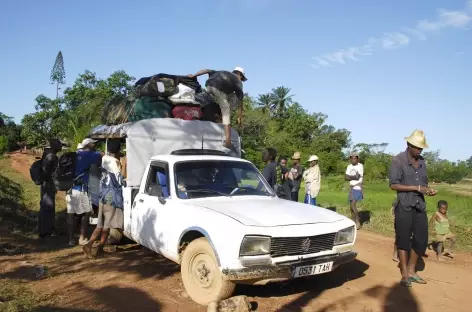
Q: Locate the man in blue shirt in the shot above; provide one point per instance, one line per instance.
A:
(78, 200)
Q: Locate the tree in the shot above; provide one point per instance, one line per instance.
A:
(282, 100)
(45, 123)
(58, 73)
(265, 103)
(10, 133)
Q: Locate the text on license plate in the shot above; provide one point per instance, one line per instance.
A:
(313, 269)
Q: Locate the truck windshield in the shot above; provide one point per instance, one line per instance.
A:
(211, 178)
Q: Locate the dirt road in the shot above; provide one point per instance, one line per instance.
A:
(131, 278)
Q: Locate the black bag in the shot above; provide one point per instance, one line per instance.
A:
(185, 80)
(63, 177)
(151, 87)
(36, 172)
(211, 110)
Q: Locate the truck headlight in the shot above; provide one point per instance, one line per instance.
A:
(345, 236)
(255, 246)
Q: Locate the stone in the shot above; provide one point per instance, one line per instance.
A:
(233, 304)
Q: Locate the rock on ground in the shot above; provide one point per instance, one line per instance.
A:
(233, 304)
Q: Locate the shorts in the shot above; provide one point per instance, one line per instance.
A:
(78, 202)
(444, 237)
(411, 229)
(226, 102)
(356, 195)
(109, 217)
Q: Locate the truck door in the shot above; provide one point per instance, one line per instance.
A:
(148, 212)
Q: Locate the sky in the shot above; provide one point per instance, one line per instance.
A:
(377, 68)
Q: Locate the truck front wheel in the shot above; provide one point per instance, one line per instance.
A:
(201, 275)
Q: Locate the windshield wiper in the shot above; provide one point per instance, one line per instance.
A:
(208, 191)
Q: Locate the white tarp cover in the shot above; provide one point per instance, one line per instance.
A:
(161, 136)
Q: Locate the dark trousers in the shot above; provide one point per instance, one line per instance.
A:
(411, 229)
(295, 196)
(47, 209)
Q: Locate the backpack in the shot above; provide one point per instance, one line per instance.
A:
(147, 107)
(64, 176)
(36, 172)
(157, 86)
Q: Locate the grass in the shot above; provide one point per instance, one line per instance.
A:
(16, 297)
(378, 200)
(19, 198)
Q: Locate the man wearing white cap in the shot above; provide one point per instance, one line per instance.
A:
(78, 199)
(227, 90)
(312, 177)
(408, 177)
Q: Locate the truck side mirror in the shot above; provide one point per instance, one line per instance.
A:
(156, 190)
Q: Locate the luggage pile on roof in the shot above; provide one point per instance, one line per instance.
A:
(162, 96)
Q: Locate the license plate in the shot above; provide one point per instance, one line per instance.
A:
(313, 269)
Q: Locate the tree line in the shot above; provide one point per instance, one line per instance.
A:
(273, 119)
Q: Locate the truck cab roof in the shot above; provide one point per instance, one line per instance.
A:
(179, 158)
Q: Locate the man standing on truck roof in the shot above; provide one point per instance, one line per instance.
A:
(227, 90)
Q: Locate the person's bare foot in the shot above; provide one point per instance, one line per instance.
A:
(87, 251)
(395, 257)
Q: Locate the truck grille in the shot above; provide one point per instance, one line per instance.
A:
(289, 246)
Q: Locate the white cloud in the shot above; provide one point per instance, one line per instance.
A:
(445, 19)
(456, 19)
(321, 62)
(394, 40)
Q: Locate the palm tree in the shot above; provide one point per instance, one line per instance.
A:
(265, 102)
(282, 99)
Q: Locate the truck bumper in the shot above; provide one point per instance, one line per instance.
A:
(285, 270)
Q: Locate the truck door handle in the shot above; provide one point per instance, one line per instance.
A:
(141, 200)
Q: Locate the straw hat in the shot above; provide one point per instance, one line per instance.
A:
(417, 139)
(313, 158)
(296, 156)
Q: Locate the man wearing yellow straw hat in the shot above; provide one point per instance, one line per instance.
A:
(408, 177)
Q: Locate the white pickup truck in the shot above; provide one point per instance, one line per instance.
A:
(218, 218)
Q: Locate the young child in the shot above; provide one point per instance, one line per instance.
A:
(395, 250)
(442, 231)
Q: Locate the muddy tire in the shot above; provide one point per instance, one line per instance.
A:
(202, 278)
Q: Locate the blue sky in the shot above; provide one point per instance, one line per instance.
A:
(378, 68)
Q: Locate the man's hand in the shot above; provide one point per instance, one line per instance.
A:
(427, 191)
(191, 76)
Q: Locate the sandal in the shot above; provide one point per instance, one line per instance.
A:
(405, 283)
(416, 279)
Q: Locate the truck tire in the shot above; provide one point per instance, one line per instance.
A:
(201, 275)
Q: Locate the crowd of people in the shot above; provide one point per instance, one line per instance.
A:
(286, 180)
(79, 205)
(407, 176)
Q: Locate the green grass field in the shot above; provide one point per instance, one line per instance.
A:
(378, 200)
